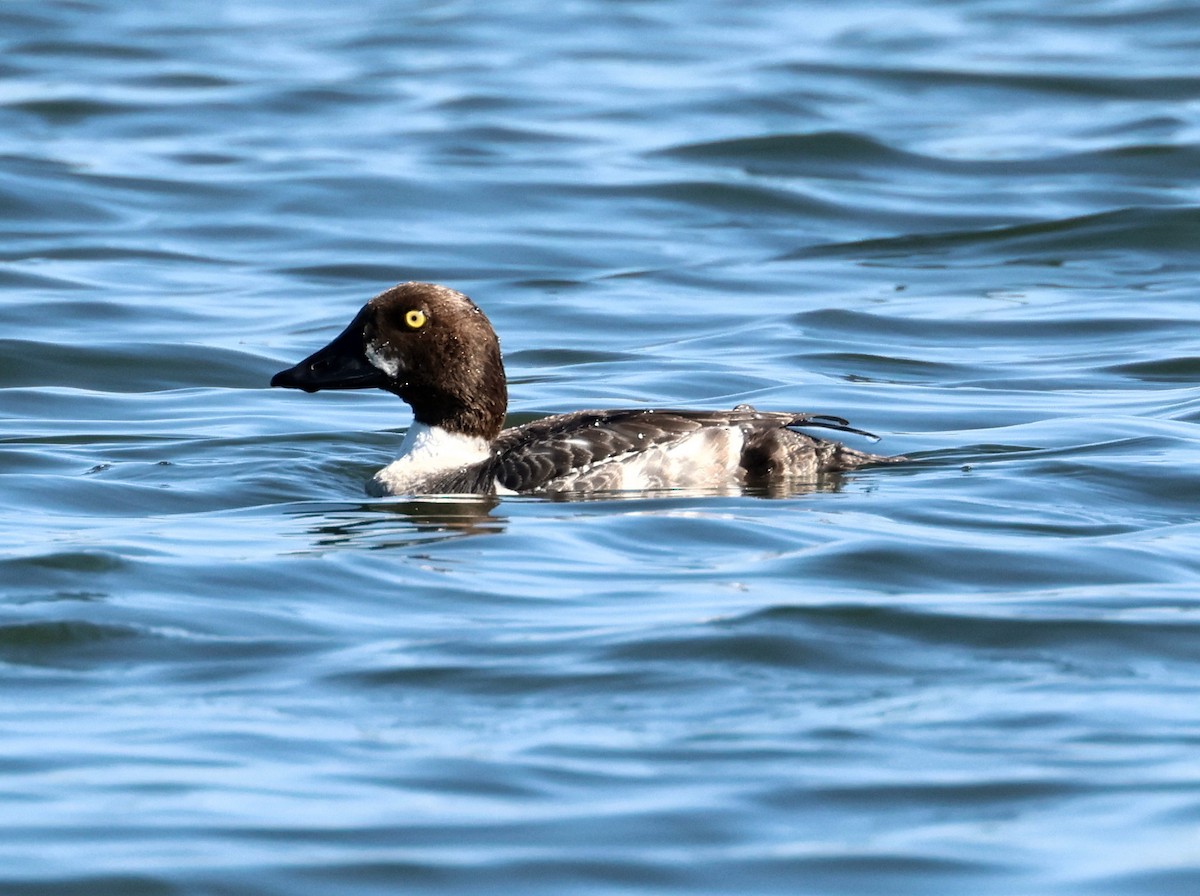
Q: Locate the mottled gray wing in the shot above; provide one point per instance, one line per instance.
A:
(530, 457)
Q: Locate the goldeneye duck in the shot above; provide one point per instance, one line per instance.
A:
(433, 347)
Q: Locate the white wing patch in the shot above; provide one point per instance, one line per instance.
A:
(705, 459)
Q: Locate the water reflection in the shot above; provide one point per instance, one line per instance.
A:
(436, 518)
(401, 523)
(826, 482)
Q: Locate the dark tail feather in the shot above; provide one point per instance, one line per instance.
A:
(828, 421)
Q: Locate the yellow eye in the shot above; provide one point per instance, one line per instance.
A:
(415, 319)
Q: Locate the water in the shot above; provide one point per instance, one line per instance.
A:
(968, 226)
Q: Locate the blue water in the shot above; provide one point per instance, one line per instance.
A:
(971, 227)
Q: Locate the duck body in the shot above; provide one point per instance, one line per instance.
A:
(434, 348)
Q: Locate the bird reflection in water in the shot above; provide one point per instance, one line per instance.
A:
(392, 524)
(429, 520)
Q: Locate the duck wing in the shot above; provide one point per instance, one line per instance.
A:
(584, 449)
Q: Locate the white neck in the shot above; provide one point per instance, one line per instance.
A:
(426, 452)
(435, 448)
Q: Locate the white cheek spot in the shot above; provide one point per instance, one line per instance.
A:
(380, 361)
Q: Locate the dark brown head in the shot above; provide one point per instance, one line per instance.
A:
(428, 344)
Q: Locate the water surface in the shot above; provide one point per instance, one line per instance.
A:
(967, 226)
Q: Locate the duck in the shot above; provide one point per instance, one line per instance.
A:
(434, 348)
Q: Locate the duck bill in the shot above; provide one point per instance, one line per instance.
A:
(340, 365)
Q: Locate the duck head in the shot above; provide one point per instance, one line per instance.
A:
(428, 344)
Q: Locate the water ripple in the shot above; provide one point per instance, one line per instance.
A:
(967, 227)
